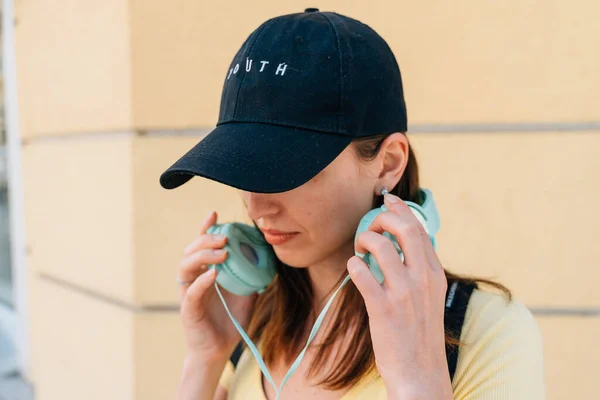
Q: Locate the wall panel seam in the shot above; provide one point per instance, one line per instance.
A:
(537, 311)
(583, 126)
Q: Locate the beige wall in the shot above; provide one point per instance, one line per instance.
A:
(520, 207)
(111, 93)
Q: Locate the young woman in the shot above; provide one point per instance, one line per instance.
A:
(311, 132)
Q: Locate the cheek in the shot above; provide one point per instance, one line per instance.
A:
(329, 225)
(328, 209)
(335, 214)
(341, 216)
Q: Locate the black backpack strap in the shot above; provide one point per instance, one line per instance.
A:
(457, 301)
(237, 353)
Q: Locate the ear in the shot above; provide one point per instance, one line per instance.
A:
(393, 158)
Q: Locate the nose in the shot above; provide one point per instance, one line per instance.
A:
(259, 205)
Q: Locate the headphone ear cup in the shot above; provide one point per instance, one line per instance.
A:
(250, 265)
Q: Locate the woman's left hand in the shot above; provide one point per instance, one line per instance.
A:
(406, 311)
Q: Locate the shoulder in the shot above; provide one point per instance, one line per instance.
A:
(242, 380)
(227, 375)
(501, 350)
(493, 314)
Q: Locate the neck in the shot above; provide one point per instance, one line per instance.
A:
(326, 276)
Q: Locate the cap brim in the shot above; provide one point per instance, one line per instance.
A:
(257, 157)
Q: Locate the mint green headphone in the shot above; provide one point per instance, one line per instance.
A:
(250, 265)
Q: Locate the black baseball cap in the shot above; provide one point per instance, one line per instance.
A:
(299, 90)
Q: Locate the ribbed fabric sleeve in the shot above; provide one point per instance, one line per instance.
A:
(501, 356)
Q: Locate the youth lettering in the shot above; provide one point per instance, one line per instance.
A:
(279, 70)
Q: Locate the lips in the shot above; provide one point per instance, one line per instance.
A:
(276, 232)
(275, 237)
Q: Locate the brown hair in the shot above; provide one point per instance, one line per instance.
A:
(285, 310)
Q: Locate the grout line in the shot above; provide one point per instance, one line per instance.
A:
(538, 311)
(111, 134)
(77, 135)
(506, 127)
(107, 299)
(417, 129)
(565, 312)
(179, 132)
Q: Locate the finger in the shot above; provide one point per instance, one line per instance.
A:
(383, 250)
(433, 258)
(408, 231)
(192, 295)
(365, 282)
(205, 241)
(194, 264)
(209, 221)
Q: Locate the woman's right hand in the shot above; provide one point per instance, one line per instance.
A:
(209, 333)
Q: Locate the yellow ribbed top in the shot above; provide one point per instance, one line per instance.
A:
(501, 358)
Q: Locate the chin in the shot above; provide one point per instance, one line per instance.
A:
(296, 258)
(293, 260)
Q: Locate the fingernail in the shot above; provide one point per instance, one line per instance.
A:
(390, 198)
(218, 252)
(218, 238)
(353, 266)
